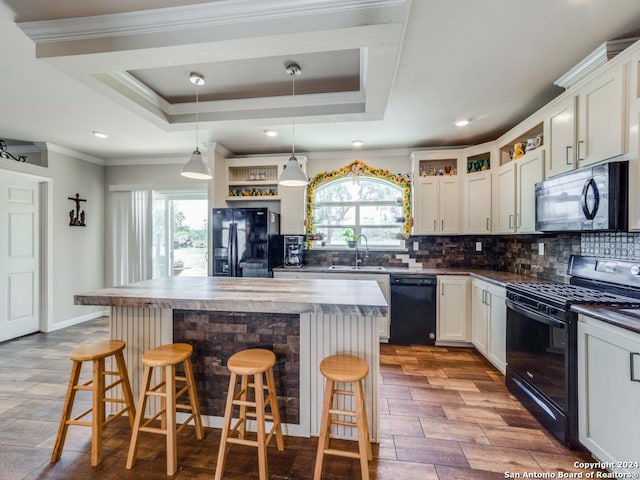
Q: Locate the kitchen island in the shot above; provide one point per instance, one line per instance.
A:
(302, 321)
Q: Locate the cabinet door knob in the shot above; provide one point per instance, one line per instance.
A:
(568, 160)
(487, 224)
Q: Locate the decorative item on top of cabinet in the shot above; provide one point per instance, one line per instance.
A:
(526, 142)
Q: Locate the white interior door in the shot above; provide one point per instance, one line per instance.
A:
(19, 256)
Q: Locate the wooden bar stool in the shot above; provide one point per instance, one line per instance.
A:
(96, 353)
(254, 362)
(344, 369)
(166, 357)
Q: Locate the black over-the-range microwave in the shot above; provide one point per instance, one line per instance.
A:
(588, 199)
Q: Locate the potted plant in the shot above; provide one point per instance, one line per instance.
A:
(349, 235)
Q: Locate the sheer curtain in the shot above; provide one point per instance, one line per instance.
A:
(131, 236)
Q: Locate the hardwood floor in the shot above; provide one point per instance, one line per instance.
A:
(445, 415)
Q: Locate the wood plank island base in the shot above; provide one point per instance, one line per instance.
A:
(302, 321)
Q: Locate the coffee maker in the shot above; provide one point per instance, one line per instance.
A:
(293, 250)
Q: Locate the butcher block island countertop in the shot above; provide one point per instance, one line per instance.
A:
(301, 320)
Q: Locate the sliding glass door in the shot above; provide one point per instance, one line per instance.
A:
(180, 233)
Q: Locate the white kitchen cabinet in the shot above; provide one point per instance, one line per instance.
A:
(436, 205)
(560, 137)
(452, 323)
(477, 203)
(529, 171)
(504, 199)
(602, 111)
(489, 321)
(609, 392)
(479, 316)
(514, 193)
(497, 340)
(381, 278)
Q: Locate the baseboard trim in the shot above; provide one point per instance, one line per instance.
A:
(81, 319)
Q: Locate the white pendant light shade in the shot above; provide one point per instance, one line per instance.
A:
(292, 175)
(196, 167)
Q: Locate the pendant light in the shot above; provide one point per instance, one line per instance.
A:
(293, 175)
(196, 167)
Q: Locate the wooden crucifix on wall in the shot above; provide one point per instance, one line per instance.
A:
(76, 217)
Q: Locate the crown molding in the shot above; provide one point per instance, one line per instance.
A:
(593, 61)
(222, 12)
(75, 154)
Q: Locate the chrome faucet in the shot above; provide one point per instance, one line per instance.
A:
(366, 249)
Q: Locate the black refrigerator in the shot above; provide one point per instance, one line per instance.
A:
(246, 242)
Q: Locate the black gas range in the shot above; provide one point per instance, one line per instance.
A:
(542, 336)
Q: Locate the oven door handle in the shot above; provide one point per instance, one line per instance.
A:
(535, 315)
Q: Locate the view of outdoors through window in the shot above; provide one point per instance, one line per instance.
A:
(368, 206)
(179, 235)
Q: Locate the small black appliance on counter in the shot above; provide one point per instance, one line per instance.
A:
(293, 251)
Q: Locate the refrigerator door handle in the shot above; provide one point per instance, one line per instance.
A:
(234, 255)
(230, 250)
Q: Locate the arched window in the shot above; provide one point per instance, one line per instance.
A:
(371, 202)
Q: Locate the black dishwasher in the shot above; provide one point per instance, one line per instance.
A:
(413, 309)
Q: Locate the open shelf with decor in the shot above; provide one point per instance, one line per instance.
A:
(436, 167)
(255, 178)
(524, 143)
(479, 163)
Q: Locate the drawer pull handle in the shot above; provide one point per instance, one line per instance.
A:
(632, 367)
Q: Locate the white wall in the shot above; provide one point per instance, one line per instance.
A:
(396, 161)
(77, 260)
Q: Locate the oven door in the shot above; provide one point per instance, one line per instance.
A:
(537, 351)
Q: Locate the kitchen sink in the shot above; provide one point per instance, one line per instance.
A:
(366, 268)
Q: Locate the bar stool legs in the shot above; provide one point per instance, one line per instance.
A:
(256, 363)
(166, 357)
(344, 369)
(96, 353)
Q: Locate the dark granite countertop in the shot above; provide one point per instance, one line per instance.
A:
(493, 276)
(627, 318)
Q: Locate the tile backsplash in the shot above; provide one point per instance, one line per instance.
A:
(611, 245)
(512, 253)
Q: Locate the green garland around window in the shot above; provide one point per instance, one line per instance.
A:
(358, 167)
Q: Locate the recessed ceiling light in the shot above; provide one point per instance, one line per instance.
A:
(271, 133)
(357, 143)
(100, 135)
(462, 123)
